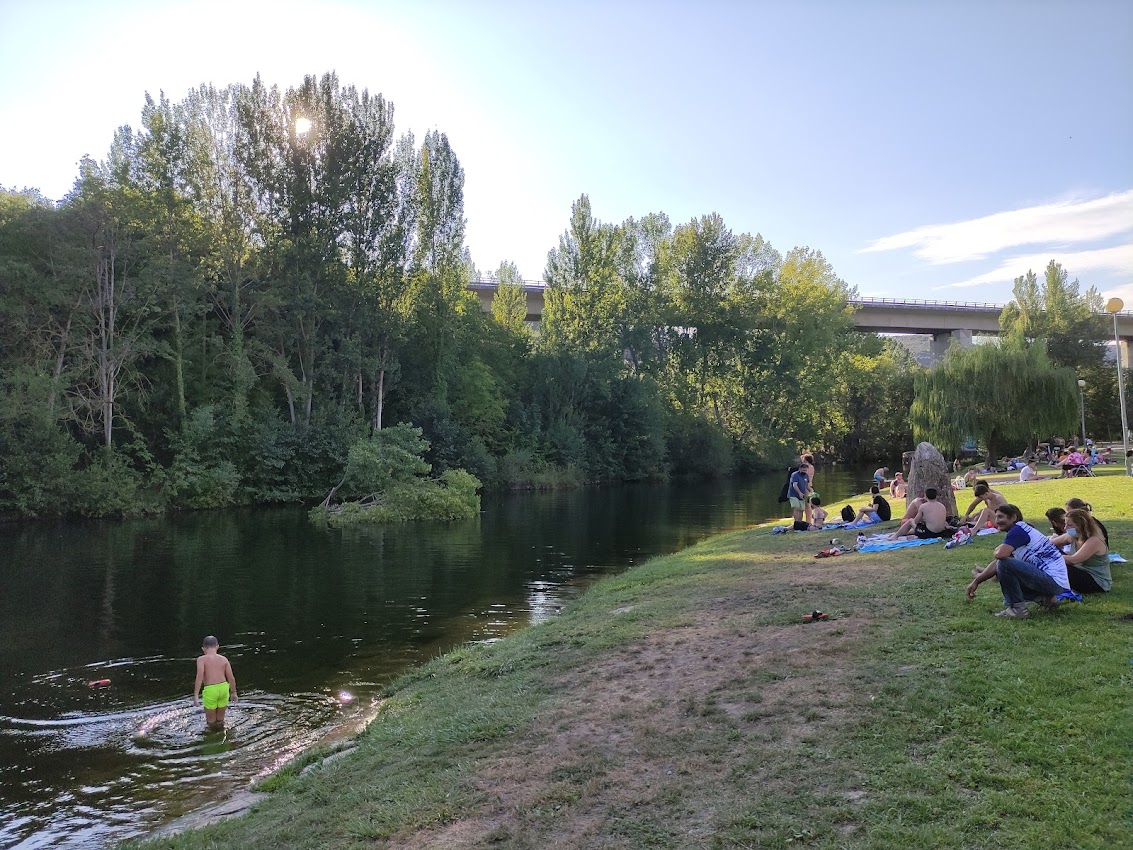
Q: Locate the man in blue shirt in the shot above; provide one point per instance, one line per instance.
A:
(1028, 565)
(797, 491)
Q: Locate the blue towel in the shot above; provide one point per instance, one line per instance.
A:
(1069, 596)
(1114, 558)
(886, 545)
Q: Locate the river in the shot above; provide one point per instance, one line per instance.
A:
(315, 622)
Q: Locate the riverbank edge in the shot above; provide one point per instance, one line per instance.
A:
(432, 740)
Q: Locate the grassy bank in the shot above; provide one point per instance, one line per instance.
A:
(686, 704)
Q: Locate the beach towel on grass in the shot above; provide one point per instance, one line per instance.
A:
(886, 545)
(1114, 558)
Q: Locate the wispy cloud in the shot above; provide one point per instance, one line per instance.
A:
(1063, 223)
(1116, 259)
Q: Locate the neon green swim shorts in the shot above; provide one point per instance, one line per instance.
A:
(215, 696)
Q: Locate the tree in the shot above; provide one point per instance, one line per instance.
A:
(1075, 334)
(1005, 395)
(509, 304)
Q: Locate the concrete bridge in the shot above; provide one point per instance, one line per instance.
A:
(944, 321)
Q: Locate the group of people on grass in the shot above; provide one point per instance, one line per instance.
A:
(1029, 565)
(1035, 567)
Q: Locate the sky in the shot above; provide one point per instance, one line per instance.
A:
(930, 150)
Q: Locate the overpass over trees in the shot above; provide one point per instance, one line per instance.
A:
(944, 321)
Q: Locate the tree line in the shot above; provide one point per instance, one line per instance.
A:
(256, 280)
(1024, 389)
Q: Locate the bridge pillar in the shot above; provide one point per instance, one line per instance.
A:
(941, 341)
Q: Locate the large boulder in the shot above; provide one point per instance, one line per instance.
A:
(928, 469)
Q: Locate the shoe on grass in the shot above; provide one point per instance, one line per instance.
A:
(1015, 613)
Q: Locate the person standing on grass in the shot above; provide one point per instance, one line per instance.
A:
(1027, 564)
(1087, 564)
(797, 491)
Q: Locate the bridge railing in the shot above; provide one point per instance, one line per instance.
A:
(921, 302)
(535, 285)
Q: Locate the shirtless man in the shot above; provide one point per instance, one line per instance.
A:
(932, 518)
(215, 673)
(991, 499)
(909, 520)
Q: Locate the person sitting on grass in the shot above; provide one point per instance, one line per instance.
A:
(1057, 519)
(990, 499)
(817, 513)
(1030, 472)
(932, 518)
(1078, 504)
(1027, 564)
(878, 509)
(1087, 564)
(897, 486)
(909, 520)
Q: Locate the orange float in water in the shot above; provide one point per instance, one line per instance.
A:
(98, 683)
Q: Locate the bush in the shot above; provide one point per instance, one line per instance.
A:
(390, 469)
(108, 487)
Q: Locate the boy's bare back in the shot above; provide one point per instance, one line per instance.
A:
(215, 668)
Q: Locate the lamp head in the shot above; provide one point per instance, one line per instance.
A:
(1081, 384)
(1114, 305)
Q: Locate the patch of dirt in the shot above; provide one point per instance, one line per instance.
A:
(668, 732)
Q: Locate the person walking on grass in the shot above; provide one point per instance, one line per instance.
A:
(1027, 564)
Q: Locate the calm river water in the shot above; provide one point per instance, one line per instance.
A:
(314, 621)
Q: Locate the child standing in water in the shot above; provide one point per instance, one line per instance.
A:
(215, 673)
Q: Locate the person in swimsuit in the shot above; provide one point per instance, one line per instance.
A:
(215, 673)
(990, 499)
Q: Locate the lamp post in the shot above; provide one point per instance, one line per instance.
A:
(1114, 306)
(1082, 409)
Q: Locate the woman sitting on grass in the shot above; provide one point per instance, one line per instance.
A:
(1078, 504)
(1087, 566)
(1027, 564)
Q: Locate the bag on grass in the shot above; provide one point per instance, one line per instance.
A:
(848, 514)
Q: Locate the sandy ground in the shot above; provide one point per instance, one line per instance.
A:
(594, 757)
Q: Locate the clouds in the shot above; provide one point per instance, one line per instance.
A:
(1114, 260)
(1062, 231)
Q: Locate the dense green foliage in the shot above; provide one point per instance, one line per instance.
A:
(1070, 325)
(386, 480)
(255, 280)
(1008, 396)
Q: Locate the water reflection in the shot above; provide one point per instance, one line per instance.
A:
(304, 615)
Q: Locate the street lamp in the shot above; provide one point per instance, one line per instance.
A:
(1114, 306)
(1082, 409)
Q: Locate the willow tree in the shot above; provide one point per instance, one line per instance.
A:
(1004, 395)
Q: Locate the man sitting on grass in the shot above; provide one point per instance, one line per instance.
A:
(932, 518)
(1028, 566)
(909, 520)
(877, 510)
(1030, 472)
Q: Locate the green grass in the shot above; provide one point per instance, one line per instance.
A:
(931, 725)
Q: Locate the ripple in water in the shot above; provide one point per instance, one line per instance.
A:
(141, 761)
